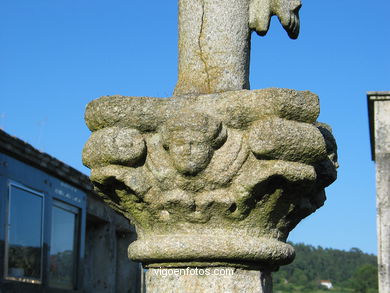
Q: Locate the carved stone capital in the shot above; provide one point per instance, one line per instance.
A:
(211, 180)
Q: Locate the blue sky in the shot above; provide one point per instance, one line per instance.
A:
(56, 56)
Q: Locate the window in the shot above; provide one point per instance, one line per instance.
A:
(42, 230)
(24, 235)
(63, 246)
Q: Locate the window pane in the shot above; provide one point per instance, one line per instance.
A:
(24, 245)
(62, 248)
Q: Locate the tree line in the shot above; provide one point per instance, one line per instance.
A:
(349, 271)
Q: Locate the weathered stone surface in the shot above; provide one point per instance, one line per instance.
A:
(114, 145)
(209, 280)
(225, 176)
(209, 32)
(260, 13)
(285, 140)
(214, 40)
(236, 109)
(379, 107)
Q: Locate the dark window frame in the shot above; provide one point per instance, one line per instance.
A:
(7, 230)
(53, 188)
(76, 240)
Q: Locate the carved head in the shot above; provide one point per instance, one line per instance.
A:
(190, 139)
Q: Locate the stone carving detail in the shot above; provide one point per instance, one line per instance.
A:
(190, 139)
(216, 179)
(260, 12)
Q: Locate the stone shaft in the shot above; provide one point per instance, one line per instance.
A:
(214, 45)
(383, 221)
(217, 280)
(379, 107)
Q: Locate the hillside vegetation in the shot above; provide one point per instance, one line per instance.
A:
(349, 271)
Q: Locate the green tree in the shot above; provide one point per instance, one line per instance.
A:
(317, 263)
(365, 279)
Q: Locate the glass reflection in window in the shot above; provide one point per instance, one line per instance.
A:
(24, 237)
(63, 246)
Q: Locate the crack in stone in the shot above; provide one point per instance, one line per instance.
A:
(201, 50)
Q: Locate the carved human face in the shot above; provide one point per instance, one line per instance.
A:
(189, 156)
(190, 139)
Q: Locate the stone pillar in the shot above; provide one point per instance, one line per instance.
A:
(217, 176)
(214, 40)
(379, 113)
(213, 51)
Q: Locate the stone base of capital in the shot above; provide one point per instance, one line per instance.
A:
(206, 250)
(208, 280)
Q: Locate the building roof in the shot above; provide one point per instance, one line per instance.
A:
(26, 153)
(371, 98)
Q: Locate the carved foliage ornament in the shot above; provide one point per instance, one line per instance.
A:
(247, 164)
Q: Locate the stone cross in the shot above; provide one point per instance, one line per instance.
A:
(214, 40)
(215, 177)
